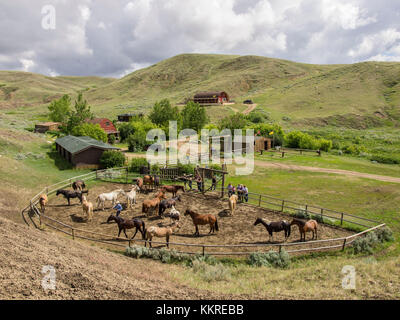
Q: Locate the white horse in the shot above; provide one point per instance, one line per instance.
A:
(174, 214)
(112, 196)
(131, 196)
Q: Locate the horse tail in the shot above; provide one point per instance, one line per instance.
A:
(216, 224)
(144, 230)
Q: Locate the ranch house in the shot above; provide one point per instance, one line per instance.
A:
(106, 125)
(211, 98)
(82, 152)
(126, 117)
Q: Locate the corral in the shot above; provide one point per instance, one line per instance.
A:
(237, 235)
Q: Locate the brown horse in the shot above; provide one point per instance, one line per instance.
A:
(152, 204)
(78, 185)
(139, 183)
(203, 219)
(148, 182)
(306, 226)
(173, 189)
(43, 201)
(161, 232)
(124, 225)
(167, 204)
(275, 227)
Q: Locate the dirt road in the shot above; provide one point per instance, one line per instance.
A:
(284, 166)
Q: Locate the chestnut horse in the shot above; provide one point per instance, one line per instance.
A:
(139, 183)
(306, 226)
(78, 185)
(203, 219)
(152, 204)
(43, 201)
(173, 189)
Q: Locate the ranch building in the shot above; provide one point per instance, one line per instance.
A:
(106, 125)
(210, 98)
(126, 117)
(82, 152)
(262, 144)
(47, 126)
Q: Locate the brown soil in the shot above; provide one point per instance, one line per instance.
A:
(232, 230)
(82, 272)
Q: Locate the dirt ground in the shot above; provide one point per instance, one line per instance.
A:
(237, 230)
(82, 271)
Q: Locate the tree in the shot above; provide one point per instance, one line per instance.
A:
(232, 122)
(90, 130)
(163, 112)
(60, 109)
(112, 159)
(80, 113)
(193, 116)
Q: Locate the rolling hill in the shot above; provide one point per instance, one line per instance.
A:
(295, 93)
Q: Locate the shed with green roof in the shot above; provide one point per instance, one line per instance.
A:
(82, 152)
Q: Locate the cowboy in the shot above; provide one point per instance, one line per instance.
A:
(246, 193)
(214, 183)
(118, 207)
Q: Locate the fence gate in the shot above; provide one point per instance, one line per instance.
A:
(169, 173)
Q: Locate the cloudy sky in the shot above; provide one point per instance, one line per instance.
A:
(113, 38)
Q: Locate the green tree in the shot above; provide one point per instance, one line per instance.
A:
(193, 116)
(91, 130)
(163, 112)
(232, 122)
(80, 113)
(60, 109)
(112, 159)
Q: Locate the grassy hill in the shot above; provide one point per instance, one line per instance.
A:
(360, 95)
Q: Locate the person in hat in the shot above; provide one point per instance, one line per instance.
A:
(118, 207)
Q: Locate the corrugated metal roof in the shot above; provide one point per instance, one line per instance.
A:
(77, 144)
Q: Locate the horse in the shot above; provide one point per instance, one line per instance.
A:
(87, 208)
(203, 219)
(43, 201)
(275, 227)
(306, 226)
(139, 183)
(131, 196)
(68, 194)
(128, 224)
(166, 204)
(111, 196)
(161, 232)
(174, 214)
(148, 181)
(78, 185)
(173, 189)
(232, 203)
(152, 204)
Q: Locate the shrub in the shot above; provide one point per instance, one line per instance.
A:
(112, 159)
(211, 272)
(137, 163)
(137, 142)
(186, 168)
(90, 130)
(325, 145)
(302, 214)
(371, 240)
(385, 159)
(270, 259)
(111, 139)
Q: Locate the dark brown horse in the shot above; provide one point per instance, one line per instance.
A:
(275, 227)
(128, 224)
(78, 185)
(173, 189)
(68, 194)
(306, 226)
(203, 219)
(167, 204)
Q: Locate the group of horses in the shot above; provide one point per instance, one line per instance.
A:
(159, 203)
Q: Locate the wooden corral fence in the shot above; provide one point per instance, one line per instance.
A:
(31, 212)
(169, 173)
(284, 151)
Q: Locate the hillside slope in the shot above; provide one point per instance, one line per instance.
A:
(82, 272)
(302, 94)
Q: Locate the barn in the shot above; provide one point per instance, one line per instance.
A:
(210, 98)
(106, 125)
(82, 152)
(43, 127)
(262, 144)
(126, 117)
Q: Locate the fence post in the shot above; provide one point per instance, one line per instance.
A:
(341, 219)
(280, 249)
(126, 177)
(283, 205)
(73, 234)
(344, 244)
(306, 209)
(259, 201)
(322, 213)
(204, 249)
